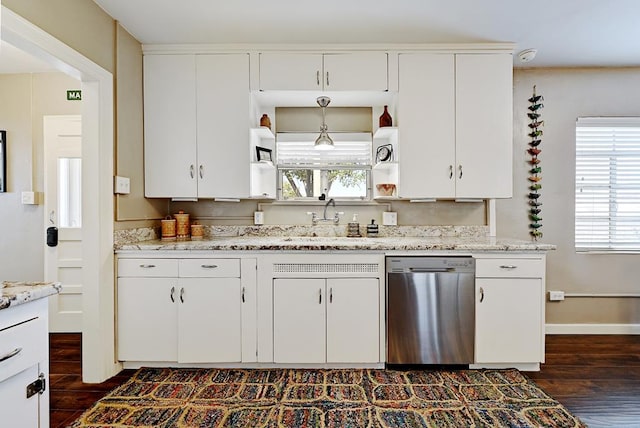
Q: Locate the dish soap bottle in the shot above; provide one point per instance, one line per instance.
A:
(372, 229)
(353, 228)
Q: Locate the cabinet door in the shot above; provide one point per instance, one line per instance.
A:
(223, 125)
(353, 324)
(508, 320)
(147, 319)
(299, 328)
(365, 71)
(170, 126)
(18, 410)
(484, 138)
(426, 126)
(290, 71)
(209, 320)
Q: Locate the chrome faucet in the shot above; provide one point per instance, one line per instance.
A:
(336, 217)
(324, 214)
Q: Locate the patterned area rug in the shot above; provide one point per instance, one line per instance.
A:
(327, 399)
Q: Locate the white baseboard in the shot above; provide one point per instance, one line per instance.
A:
(592, 329)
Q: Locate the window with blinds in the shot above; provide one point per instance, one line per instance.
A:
(305, 172)
(607, 201)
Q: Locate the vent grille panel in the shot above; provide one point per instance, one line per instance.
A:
(325, 267)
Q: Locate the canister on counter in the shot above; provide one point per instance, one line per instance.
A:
(168, 228)
(372, 229)
(182, 225)
(197, 231)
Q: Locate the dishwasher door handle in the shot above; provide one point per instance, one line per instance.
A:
(430, 270)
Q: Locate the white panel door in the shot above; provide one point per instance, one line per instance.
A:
(223, 125)
(484, 137)
(426, 126)
(299, 328)
(170, 126)
(290, 72)
(18, 410)
(147, 319)
(353, 325)
(209, 320)
(508, 320)
(363, 71)
(63, 202)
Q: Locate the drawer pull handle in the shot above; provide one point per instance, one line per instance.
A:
(510, 267)
(10, 354)
(147, 266)
(173, 290)
(208, 266)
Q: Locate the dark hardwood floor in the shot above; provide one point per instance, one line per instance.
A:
(596, 377)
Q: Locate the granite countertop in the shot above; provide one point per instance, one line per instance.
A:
(311, 243)
(13, 293)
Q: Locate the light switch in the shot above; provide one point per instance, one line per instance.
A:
(121, 185)
(28, 198)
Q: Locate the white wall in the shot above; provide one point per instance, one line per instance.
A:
(568, 94)
(26, 98)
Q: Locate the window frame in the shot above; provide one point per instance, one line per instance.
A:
(610, 179)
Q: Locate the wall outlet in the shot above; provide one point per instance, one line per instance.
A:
(258, 217)
(556, 296)
(390, 218)
(121, 185)
(28, 198)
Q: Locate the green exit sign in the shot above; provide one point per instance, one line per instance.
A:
(75, 95)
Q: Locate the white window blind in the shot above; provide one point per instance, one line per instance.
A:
(607, 216)
(350, 149)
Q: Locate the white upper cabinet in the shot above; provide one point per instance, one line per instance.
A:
(455, 125)
(223, 125)
(426, 126)
(197, 126)
(484, 122)
(362, 71)
(170, 126)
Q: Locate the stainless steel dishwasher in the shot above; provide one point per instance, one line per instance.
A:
(430, 310)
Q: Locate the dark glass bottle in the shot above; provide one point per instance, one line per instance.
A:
(385, 118)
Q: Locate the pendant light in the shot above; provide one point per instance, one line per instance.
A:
(323, 142)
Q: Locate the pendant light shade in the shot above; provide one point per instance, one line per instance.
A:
(323, 142)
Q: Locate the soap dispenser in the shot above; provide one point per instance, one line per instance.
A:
(353, 228)
(372, 229)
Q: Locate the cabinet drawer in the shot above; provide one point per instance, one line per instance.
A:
(148, 267)
(22, 346)
(210, 268)
(509, 268)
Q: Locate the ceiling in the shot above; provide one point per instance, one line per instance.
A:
(566, 33)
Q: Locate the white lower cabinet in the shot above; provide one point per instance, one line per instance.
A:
(333, 320)
(509, 310)
(193, 316)
(24, 360)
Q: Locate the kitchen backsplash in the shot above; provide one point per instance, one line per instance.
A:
(131, 236)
